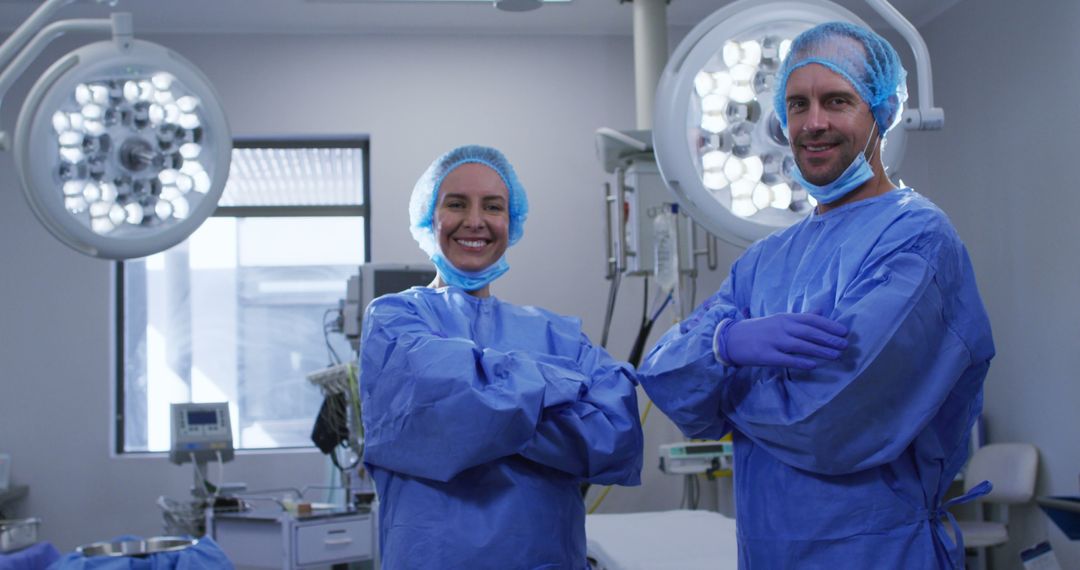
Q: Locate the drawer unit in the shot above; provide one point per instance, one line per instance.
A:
(275, 539)
(333, 541)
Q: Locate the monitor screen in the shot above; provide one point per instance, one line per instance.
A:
(394, 281)
(201, 417)
(699, 449)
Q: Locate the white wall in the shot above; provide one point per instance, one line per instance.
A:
(1004, 169)
(539, 99)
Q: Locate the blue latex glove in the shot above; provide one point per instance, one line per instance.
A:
(788, 340)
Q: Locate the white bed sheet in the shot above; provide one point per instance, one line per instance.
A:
(676, 540)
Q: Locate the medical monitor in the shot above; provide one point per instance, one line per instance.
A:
(201, 433)
(374, 280)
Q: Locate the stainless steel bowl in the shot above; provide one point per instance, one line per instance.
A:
(18, 534)
(145, 547)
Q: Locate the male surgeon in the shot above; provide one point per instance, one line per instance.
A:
(846, 354)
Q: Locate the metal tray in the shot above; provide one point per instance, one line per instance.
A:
(145, 547)
(16, 534)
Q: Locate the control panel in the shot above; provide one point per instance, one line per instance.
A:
(201, 432)
(692, 457)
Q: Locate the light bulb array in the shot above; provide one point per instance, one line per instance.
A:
(730, 93)
(130, 151)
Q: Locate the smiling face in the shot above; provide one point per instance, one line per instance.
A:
(828, 122)
(472, 217)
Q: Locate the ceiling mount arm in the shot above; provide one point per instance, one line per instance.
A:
(926, 117)
(34, 48)
(25, 32)
(31, 38)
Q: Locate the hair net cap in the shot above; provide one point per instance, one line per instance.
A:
(425, 193)
(863, 58)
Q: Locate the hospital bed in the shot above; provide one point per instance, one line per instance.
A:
(683, 540)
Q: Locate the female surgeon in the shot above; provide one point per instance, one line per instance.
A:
(482, 417)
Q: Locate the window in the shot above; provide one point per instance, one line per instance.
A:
(239, 312)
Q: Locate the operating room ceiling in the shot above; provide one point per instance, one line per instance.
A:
(580, 17)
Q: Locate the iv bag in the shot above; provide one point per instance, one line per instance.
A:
(667, 261)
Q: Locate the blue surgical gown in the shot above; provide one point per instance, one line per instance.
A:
(846, 465)
(482, 418)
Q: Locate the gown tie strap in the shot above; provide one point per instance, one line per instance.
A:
(935, 516)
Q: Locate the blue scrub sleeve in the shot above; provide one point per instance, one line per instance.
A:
(864, 409)
(682, 375)
(39, 555)
(598, 437)
(434, 406)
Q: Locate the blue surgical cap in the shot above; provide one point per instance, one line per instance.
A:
(425, 193)
(858, 55)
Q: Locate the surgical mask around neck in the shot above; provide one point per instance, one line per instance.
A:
(469, 280)
(855, 175)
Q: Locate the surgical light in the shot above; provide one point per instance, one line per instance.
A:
(718, 143)
(121, 146)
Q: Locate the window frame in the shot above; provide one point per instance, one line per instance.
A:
(363, 210)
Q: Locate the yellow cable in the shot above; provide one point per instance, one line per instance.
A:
(600, 499)
(354, 390)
